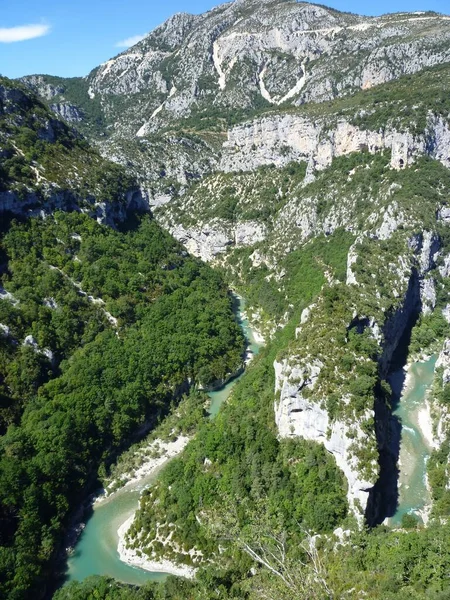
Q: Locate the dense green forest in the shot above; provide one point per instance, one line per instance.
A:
(130, 321)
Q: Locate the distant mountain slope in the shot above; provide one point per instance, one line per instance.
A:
(248, 53)
(45, 164)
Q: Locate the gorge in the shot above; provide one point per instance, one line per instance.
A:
(297, 155)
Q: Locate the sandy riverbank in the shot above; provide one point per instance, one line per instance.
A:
(425, 423)
(163, 450)
(131, 557)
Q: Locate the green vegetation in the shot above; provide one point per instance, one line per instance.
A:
(393, 565)
(184, 418)
(429, 331)
(403, 103)
(174, 325)
(41, 154)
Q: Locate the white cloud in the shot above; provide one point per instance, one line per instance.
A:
(131, 41)
(22, 33)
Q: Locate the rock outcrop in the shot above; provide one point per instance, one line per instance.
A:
(295, 415)
(213, 238)
(106, 213)
(281, 138)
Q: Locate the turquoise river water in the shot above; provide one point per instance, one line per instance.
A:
(414, 447)
(96, 550)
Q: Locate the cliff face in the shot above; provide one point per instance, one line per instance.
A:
(280, 139)
(295, 415)
(47, 166)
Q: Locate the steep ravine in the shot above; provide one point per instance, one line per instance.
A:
(96, 552)
(383, 497)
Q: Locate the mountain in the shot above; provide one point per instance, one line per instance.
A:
(105, 322)
(304, 154)
(197, 72)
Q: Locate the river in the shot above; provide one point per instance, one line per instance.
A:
(96, 550)
(415, 449)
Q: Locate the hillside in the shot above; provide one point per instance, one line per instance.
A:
(102, 330)
(304, 154)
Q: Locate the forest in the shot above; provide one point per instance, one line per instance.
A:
(101, 330)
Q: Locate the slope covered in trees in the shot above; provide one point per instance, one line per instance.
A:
(101, 330)
(170, 325)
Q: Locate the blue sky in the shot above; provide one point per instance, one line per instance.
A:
(69, 38)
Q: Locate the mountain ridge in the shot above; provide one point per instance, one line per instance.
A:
(304, 153)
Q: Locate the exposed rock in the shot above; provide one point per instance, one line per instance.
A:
(295, 416)
(67, 111)
(4, 330)
(214, 238)
(351, 259)
(393, 218)
(428, 295)
(248, 233)
(108, 213)
(205, 243)
(429, 249)
(281, 138)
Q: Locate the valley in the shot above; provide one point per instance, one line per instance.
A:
(298, 156)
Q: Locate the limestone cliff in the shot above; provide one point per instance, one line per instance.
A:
(280, 139)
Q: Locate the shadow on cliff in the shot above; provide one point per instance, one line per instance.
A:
(384, 496)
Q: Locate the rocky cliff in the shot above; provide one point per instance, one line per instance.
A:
(280, 139)
(47, 166)
(203, 72)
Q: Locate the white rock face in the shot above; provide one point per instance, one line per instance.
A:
(243, 48)
(4, 295)
(67, 111)
(428, 295)
(213, 238)
(4, 330)
(249, 233)
(430, 246)
(281, 138)
(296, 416)
(204, 243)
(444, 269)
(392, 220)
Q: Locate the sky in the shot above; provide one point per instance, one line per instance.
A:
(69, 38)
